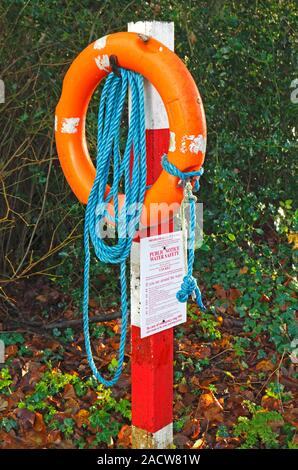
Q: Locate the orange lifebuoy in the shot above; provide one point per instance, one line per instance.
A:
(178, 91)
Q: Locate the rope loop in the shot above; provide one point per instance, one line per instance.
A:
(189, 285)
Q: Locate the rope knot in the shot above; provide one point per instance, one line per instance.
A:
(189, 287)
(183, 176)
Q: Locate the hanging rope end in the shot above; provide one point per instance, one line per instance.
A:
(197, 297)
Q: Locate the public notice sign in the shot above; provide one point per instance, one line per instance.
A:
(162, 268)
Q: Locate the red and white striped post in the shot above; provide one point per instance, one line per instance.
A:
(152, 357)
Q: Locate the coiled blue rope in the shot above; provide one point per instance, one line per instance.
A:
(127, 218)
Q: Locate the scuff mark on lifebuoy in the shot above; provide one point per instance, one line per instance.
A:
(100, 43)
(172, 146)
(193, 144)
(103, 62)
(69, 125)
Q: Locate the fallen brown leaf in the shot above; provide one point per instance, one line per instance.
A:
(11, 350)
(92, 303)
(71, 406)
(69, 392)
(234, 294)
(243, 270)
(182, 388)
(3, 404)
(220, 292)
(124, 436)
(34, 440)
(264, 298)
(54, 437)
(39, 425)
(82, 418)
(42, 298)
(270, 403)
(180, 440)
(204, 384)
(203, 352)
(265, 366)
(26, 418)
(197, 429)
(211, 408)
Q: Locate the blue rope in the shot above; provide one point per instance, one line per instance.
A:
(189, 285)
(127, 219)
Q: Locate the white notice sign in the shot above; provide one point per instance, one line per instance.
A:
(162, 271)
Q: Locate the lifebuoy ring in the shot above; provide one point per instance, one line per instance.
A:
(178, 91)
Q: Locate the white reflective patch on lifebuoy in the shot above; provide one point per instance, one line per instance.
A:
(103, 62)
(56, 123)
(69, 125)
(100, 43)
(172, 146)
(193, 144)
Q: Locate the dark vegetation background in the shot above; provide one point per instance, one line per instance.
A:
(243, 56)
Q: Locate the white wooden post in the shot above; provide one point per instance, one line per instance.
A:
(152, 379)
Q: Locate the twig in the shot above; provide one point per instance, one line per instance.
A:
(272, 373)
(67, 323)
(220, 353)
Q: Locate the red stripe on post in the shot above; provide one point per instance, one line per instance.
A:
(157, 144)
(152, 379)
